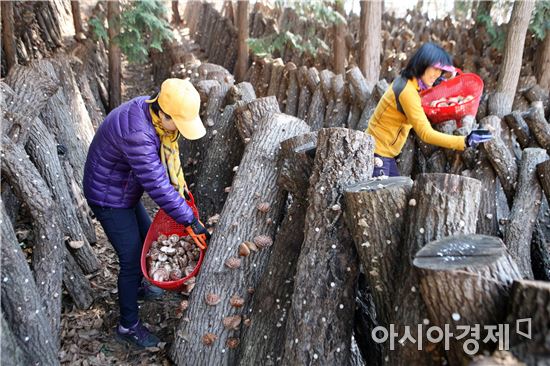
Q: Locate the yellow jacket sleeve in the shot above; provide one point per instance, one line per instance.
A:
(412, 106)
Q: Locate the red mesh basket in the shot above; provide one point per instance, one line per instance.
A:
(462, 84)
(164, 224)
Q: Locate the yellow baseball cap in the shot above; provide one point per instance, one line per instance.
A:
(180, 100)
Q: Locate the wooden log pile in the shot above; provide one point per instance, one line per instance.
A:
(46, 129)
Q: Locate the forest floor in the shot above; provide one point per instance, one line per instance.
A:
(88, 336)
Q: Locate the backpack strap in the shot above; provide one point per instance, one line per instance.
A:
(397, 86)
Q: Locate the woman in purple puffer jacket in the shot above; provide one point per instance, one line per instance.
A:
(135, 150)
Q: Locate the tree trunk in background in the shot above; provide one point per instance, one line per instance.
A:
(370, 40)
(500, 103)
(113, 11)
(77, 20)
(320, 321)
(242, 28)
(456, 270)
(240, 221)
(176, 18)
(542, 65)
(339, 45)
(8, 37)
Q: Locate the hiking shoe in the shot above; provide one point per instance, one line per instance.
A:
(148, 291)
(138, 335)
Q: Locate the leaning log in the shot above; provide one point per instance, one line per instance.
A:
(457, 274)
(538, 124)
(272, 297)
(21, 303)
(525, 210)
(248, 115)
(47, 251)
(319, 327)
(543, 171)
(292, 91)
(11, 352)
(441, 205)
(519, 127)
(222, 272)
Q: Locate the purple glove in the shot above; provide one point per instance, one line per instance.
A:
(477, 137)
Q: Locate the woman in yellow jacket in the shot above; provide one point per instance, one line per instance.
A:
(400, 109)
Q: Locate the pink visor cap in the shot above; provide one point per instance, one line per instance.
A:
(447, 68)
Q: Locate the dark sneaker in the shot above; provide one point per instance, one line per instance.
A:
(138, 335)
(147, 291)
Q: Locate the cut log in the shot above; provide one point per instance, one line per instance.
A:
(375, 213)
(242, 31)
(537, 93)
(293, 91)
(322, 324)
(21, 303)
(248, 115)
(40, 147)
(501, 158)
(406, 159)
(204, 87)
(25, 93)
(519, 127)
(243, 91)
(441, 205)
(487, 222)
(48, 247)
(359, 84)
(316, 113)
(11, 352)
(254, 183)
(272, 297)
(538, 125)
(277, 68)
(525, 210)
(8, 35)
(338, 116)
(283, 86)
(530, 315)
(543, 171)
(305, 94)
(65, 115)
(457, 274)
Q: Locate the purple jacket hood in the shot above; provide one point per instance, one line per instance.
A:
(123, 161)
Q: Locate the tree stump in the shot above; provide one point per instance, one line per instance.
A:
(457, 274)
(263, 341)
(319, 326)
(441, 205)
(530, 300)
(22, 305)
(524, 210)
(222, 272)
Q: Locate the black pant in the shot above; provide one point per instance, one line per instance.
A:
(389, 167)
(126, 229)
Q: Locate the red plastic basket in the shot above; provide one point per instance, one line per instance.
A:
(164, 224)
(462, 84)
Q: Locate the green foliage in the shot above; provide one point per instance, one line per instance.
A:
(496, 32)
(324, 14)
(142, 27)
(540, 22)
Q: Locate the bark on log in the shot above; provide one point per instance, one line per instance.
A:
(530, 300)
(293, 91)
(501, 158)
(26, 92)
(316, 112)
(47, 251)
(519, 127)
(240, 221)
(537, 93)
(66, 116)
(243, 91)
(456, 270)
(305, 94)
(272, 297)
(442, 205)
(405, 160)
(360, 86)
(322, 324)
(375, 213)
(543, 171)
(242, 26)
(11, 352)
(21, 303)
(77, 20)
(8, 35)
(540, 128)
(43, 153)
(337, 117)
(487, 222)
(247, 116)
(525, 210)
(277, 68)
